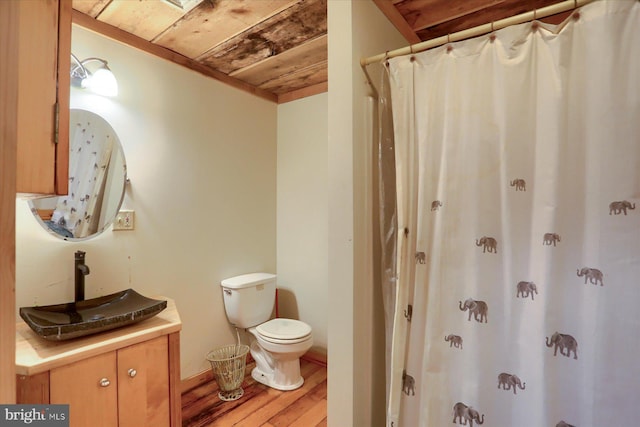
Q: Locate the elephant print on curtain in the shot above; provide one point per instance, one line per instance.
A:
(525, 289)
(421, 257)
(466, 414)
(550, 239)
(479, 309)
(408, 384)
(520, 184)
(454, 341)
(592, 274)
(509, 381)
(617, 208)
(408, 312)
(436, 205)
(489, 244)
(563, 342)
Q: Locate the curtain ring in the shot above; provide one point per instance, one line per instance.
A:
(413, 57)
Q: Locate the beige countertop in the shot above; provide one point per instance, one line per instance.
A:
(35, 355)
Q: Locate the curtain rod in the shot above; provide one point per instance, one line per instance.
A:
(478, 31)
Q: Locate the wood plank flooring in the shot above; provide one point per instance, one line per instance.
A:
(261, 406)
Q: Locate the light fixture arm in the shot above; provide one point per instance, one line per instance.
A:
(78, 71)
(81, 76)
(85, 61)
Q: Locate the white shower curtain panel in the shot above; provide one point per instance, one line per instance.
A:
(518, 176)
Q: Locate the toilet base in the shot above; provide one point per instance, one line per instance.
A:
(270, 380)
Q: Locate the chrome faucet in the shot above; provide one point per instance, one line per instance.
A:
(81, 270)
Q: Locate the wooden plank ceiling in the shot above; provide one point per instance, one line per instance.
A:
(276, 49)
(422, 20)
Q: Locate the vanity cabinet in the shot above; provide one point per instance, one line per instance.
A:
(126, 387)
(128, 377)
(44, 60)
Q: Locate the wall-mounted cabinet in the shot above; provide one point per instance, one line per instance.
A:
(44, 61)
(123, 378)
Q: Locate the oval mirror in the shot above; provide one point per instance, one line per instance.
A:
(97, 178)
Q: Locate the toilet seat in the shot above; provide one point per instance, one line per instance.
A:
(284, 331)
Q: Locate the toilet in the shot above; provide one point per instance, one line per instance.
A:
(276, 344)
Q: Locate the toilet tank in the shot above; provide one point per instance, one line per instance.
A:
(249, 299)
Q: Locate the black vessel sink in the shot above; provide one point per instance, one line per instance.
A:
(76, 319)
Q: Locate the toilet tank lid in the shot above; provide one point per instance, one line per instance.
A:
(247, 280)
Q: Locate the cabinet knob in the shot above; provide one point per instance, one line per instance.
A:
(104, 382)
(132, 372)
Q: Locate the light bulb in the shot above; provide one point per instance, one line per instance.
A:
(102, 82)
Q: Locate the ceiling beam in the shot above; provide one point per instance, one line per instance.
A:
(303, 93)
(494, 13)
(392, 14)
(421, 14)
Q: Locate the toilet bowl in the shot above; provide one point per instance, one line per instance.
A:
(276, 344)
(277, 347)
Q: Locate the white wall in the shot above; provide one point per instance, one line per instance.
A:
(340, 374)
(201, 157)
(356, 392)
(302, 214)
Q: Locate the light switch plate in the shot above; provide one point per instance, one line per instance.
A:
(123, 221)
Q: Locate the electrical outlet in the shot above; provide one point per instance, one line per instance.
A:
(123, 221)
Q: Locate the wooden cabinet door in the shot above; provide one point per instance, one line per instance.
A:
(143, 395)
(92, 402)
(45, 39)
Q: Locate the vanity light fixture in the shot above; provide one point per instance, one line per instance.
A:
(101, 81)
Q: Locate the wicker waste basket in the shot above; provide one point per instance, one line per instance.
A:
(228, 364)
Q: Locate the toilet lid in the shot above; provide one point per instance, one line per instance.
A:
(284, 329)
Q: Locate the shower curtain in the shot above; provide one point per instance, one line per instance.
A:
(517, 167)
(90, 149)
